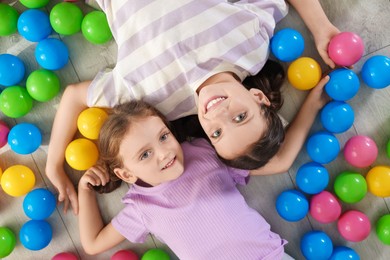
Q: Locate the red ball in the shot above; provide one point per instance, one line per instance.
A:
(125, 255)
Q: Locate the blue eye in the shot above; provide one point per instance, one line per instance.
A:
(145, 155)
(216, 133)
(240, 117)
(164, 137)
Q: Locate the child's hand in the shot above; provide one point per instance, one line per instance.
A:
(94, 176)
(322, 39)
(317, 96)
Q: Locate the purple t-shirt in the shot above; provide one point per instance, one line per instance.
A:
(200, 215)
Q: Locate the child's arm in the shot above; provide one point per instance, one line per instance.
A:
(319, 25)
(73, 102)
(94, 235)
(297, 132)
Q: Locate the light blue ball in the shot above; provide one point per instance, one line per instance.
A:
(312, 178)
(39, 204)
(287, 44)
(35, 234)
(34, 25)
(337, 116)
(316, 245)
(12, 70)
(376, 72)
(344, 253)
(292, 205)
(322, 147)
(343, 84)
(24, 138)
(52, 54)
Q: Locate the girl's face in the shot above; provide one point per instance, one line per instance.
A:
(231, 116)
(150, 152)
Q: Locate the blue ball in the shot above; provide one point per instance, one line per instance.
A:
(316, 245)
(322, 147)
(312, 178)
(376, 72)
(12, 70)
(343, 84)
(34, 25)
(344, 253)
(292, 205)
(39, 204)
(287, 44)
(35, 234)
(24, 138)
(337, 116)
(51, 54)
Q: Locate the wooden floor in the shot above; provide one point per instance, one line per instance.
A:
(369, 19)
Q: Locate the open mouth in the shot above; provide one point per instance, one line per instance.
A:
(213, 102)
(169, 164)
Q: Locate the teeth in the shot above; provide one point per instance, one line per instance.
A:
(169, 164)
(213, 102)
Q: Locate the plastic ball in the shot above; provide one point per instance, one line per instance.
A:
(17, 180)
(124, 255)
(346, 48)
(292, 205)
(322, 147)
(344, 253)
(95, 28)
(324, 207)
(9, 19)
(388, 149)
(337, 116)
(43, 85)
(51, 54)
(287, 44)
(350, 187)
(35, 234)
(4, 131)
(65, 256)
(316, 245)
(39, 204)
(304, 73)
(376, 72)
(90, 121)
(343, 84)
(354, 226)
(8, 241)
(34, 25)
(66, 18)
(155, 254)
(15, 102)
(378, 180)
(312, 178)
(383, 229)
(360, 151)
(81, 154)
(34, 3)
(12, 70)
(24, 138)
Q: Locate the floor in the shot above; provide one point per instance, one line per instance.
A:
(369, 19)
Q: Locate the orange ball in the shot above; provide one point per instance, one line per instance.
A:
(90, 121)
(304, 73)
(17, 180)
(378, 181)
(81, 154)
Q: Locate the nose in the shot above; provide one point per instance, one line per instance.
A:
(221, 112)
(162, 152)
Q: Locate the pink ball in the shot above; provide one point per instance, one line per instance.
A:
(324, 207)
(64, 256)
(125, 255)
(346, 48)
(354, 226)
(360, 151)
(4, 130)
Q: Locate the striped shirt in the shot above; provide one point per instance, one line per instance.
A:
(200, 215)
(167, 49)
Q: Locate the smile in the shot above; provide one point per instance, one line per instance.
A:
(214, 102)
(169, 164)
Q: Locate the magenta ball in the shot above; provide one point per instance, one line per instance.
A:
(4, 130)
(346, 48)
(65, 256)
(324, 207)
(124, 255)
(360, 151)
(354, 226)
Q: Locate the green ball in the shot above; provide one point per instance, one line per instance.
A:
(350, 187)
(43, 85)
(15, 102)
(383, 229)
(8, 241)
(155, 254)
(66, 18)
(95, 28)
(388, 149)
(8, 20)
(34, 3)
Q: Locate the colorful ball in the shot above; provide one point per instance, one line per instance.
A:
(34, 3)
(383, 229)
(95, 28)
(65, 256)
(324, 207)
(322, 147)
(90, 121)
(4, 131)
(304, 73)
(17, 180)
(360, 151)
(378, 180)
(81, 154)
(15, 102)
(24, 138)
(34, 25)
(287, 44)
(337, 116)
(39, 204)
(350, 187)
(376, 72)
(51, 54)
(66, 18)
(155, 254)
(346, 48)
(344, 253)
(8, 241)
(35, 234)
(292, 205)
(343, 84)
(12, 70)
(354, 226)
(388, 149)
(124, 255)
(43, 85)
(316, 245)
(9, 19)
(312, 178)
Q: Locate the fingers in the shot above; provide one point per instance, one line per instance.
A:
(72, 195)
(97, 176)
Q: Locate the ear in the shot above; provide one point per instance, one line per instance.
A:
(260, 97)
(125, 175)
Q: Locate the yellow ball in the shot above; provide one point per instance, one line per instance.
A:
(17, 180)
(90, 121)
(378, 181)
(81, 154)
(304, 73)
